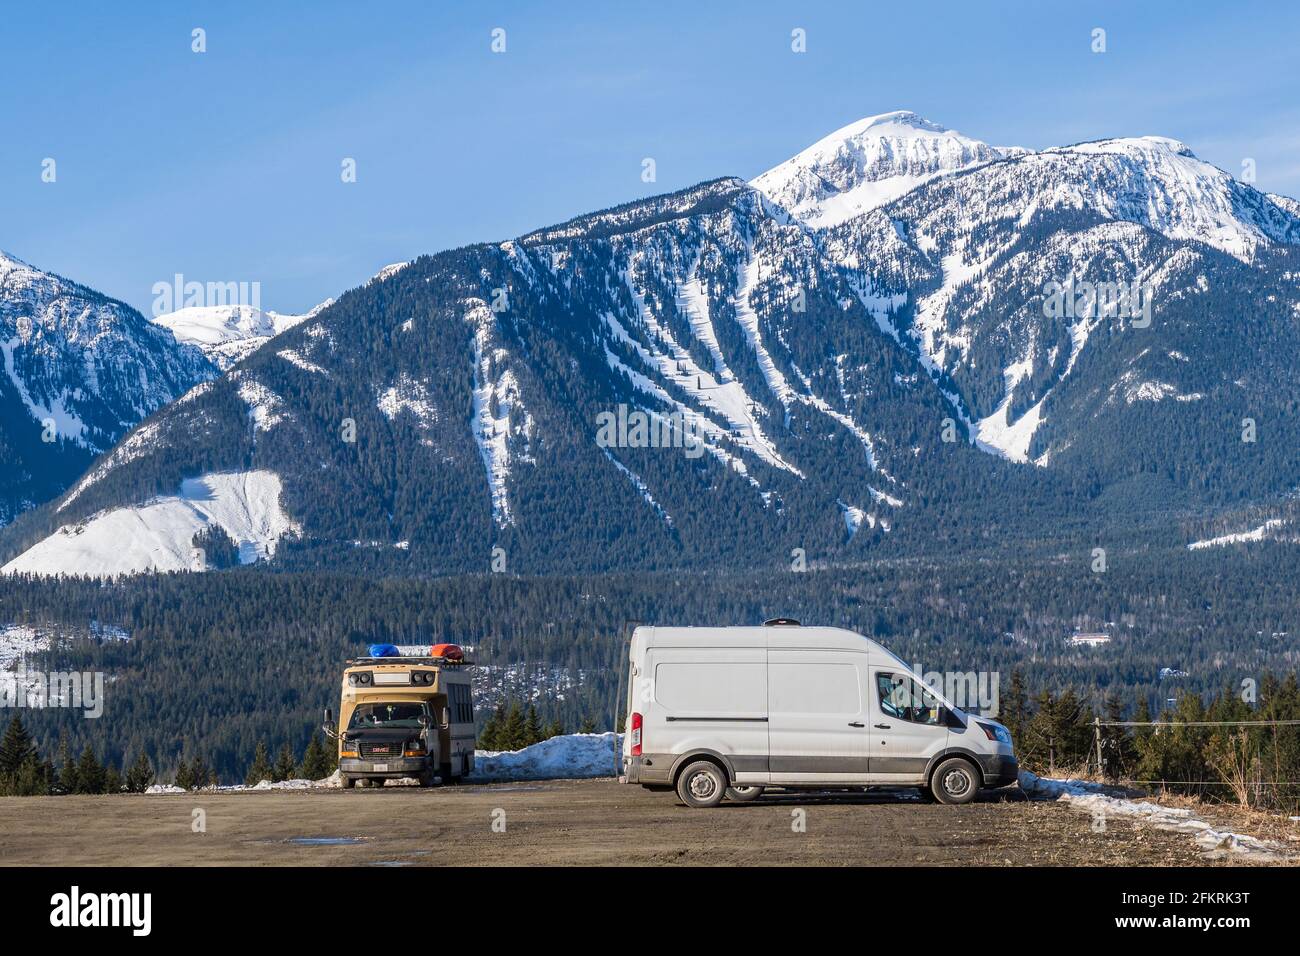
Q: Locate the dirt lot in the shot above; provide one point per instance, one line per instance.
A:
(565, 822)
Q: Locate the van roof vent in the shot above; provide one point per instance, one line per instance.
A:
(781, 622)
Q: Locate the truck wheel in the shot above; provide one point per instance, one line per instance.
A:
(347, 783)
(702, 785)
(744, 794)
(426, 779)
(955, 781)
(377, 782)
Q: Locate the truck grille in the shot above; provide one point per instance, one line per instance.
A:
(380, 751)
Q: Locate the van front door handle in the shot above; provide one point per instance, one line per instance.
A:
(882, 726)
(855, 723)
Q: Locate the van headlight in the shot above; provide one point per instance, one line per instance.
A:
(996, 732)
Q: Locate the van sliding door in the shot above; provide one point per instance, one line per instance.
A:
(816, 703)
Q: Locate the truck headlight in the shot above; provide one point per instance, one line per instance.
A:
(996, 732)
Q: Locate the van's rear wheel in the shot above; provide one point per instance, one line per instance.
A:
(955, 781)
(744, 794)
(347, 783)
(702, 784)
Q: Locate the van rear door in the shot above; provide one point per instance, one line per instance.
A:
(817, 705)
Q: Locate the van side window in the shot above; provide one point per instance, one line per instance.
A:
(902, 698)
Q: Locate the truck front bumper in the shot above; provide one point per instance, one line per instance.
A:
(395, 768)
(1000, 770)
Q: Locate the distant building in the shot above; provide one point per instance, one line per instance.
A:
(1169, 672)
(1088, 640)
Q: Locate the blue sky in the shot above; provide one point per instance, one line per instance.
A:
(225, 166)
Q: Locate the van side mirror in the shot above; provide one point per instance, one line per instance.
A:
(446, 718)
(328, 725)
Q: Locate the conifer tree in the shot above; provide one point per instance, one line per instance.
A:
(261, 768)
(284, 764)
(532, 727)
(184, 775)
(113, 780)
(514, 730)
(315, 762)
(90, 773)
(68, 770)
(140, 777)
(587, 726)
(16, 748)
(554, 729)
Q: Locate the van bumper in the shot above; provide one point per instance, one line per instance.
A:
(1000, 769)
(649, 770)
(394, 769)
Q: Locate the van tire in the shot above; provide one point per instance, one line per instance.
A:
(702, 784)
(955, 781)
(744, 794)
(347, 783)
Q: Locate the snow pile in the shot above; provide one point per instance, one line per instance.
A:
(1091, 798)
(158, 535)
(561, 758)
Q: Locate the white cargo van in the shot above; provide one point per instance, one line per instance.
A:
(728, 711)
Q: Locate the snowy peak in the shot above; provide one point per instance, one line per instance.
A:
(227, 334)
(1159, 183)
(868, 164)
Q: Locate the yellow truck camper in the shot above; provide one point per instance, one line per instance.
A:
(405, 712)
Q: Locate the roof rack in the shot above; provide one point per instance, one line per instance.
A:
(782, 622)
(413, 659)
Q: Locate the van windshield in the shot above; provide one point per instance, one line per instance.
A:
(403, 714)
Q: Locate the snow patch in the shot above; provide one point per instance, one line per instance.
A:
(158, 535)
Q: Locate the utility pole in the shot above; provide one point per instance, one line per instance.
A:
(1096, 732)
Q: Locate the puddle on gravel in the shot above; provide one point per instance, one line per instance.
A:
(324, 841)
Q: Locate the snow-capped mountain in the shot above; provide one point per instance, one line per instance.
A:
(227, 334)
(868, 164)
(80, 370)
(859, 353)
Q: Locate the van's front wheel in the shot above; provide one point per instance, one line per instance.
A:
(744, 794)
(702, 785)
(955, 781)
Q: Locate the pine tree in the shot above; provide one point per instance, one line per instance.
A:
(284, 764)
(315, 762)
(261, 768)
(68, 771)
(16, 748)
(140, 777)
(90, 773)
(513, 731)
(1013, 708)
(554, 729)
(491, 738)
(532, 727)
(200, 774)
(112, 779)
(587, 726)
(184, 776)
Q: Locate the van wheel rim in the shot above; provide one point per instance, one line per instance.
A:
(703, 786)
(956, 782)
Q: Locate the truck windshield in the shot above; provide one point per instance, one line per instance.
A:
(386, 715)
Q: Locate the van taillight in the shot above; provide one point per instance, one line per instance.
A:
(636, 735)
